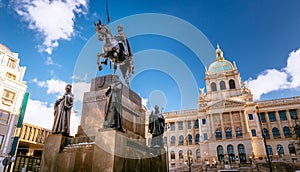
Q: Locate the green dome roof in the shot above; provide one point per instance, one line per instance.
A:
(220, 65)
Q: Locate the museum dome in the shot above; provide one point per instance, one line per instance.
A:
(220, 65)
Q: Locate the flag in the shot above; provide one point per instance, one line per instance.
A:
(107, 14)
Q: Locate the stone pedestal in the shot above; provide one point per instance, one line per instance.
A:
(104, 149)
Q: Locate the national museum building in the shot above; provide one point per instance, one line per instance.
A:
(228, 126)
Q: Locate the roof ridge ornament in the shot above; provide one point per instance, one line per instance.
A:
(219, 53)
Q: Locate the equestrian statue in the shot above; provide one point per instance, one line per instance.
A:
(116, 49)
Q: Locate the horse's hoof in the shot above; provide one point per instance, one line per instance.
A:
(99, 67)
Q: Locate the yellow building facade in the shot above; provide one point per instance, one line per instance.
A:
(228, 127)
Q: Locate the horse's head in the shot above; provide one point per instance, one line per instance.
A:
(103, 31)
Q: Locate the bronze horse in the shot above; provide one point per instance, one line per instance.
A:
(116, 49)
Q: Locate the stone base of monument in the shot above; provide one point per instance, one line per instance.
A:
(117, 153)
(95, 148)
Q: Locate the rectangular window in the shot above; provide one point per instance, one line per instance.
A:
(203, 121)
(8, 97)
(11, 76)
(4, 117)
(11, 63)
(172, 126)
(1, 140)
(282, 115)
(196, 124)
(205, 136)
(253, 132)
(189, 124)
(262, 117)
(250, 116)
(180, 125)
(272, 116)
(293, 113)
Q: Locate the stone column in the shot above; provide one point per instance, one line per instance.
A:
(232, 126)
(269, 125)
(290, 120)
(222, 126)
(212, 126)
(279, 124)
(242, 123)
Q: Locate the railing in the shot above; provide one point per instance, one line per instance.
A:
(279, 101)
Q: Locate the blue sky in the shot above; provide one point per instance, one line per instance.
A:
(172, 41)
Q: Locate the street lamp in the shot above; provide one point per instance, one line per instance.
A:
(166, 129)
(297, 132)
(264, 138)
(189, 155)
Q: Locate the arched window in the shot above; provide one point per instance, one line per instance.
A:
(198, 154)
(190, 139)
(287, 132)
(231, 84)
(172, 155)
(197, 139)
(275, 132)
(180, 155)
(238, 132)
(292, 149)
(173, 140)
(220, 153)
(242, 153)
(165, 140)
(222, 85)
(213, 86)
(218, 134)
(181, 140)
(280, 150)
(228, 133)
(269, 149)
(266, 133)
(230, 151)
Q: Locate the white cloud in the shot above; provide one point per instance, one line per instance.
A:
(273, 79)
(144, 101)
(55, 86)
(293, 66)
(49, 61)
(78, 90)
(41, 114)
(53, 19)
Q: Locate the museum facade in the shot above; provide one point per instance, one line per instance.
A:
(229, 127)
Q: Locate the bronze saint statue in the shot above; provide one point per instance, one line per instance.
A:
(113, 106)
(156, 127)
(62, 113)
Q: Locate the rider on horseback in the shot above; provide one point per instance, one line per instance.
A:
(116, 48)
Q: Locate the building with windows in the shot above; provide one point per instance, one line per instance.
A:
(12, 90)
(228, 127)
(30, 147)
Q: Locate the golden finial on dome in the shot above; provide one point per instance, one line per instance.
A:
(219, 53)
